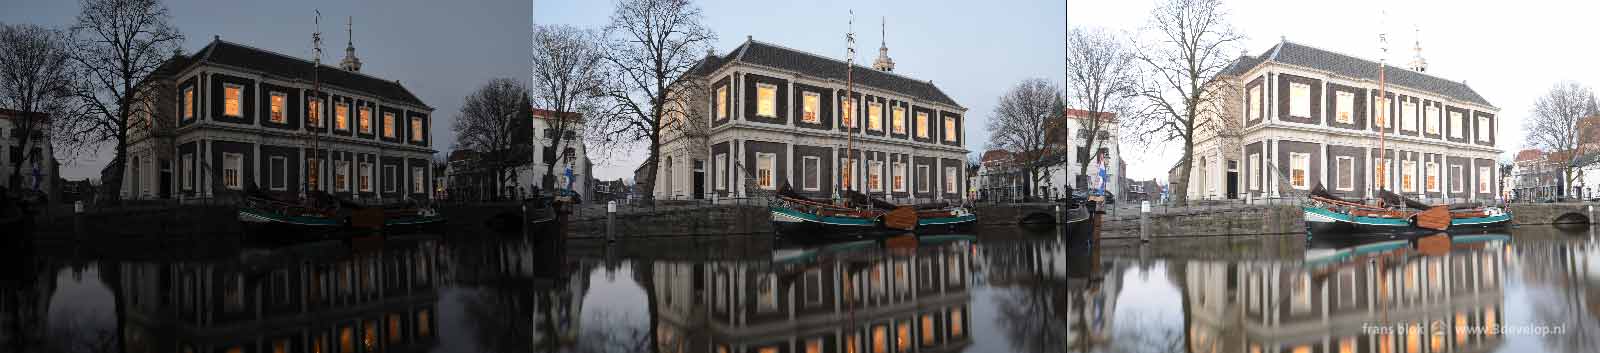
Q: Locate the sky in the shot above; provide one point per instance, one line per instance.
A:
(441, 51)
(1510, 52)
(973, 50)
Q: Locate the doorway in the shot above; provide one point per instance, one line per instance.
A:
(1233, 179)
(699, 179)
(166, 179)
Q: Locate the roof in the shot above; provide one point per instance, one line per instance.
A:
(1294, 54)
(284, 66)
(1080, 113)
(995, 156)
(783, 58)
(546, 114)
(1529, 155)
(12, 114)
(461, 155)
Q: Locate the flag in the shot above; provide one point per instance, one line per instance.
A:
(569, 177)
(1103, 176)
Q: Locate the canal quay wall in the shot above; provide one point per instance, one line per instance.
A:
(1240, 219)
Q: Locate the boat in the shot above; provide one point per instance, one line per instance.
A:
(323, 211)
(1329, 215)
(1081, 212)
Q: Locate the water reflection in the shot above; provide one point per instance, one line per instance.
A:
(469, 293)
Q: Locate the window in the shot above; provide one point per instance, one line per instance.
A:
(364, 177)
(1299, 170)
(1345, 167)
(1255, 171)
(279, 171)
(188, 103)
(1432, 177)
(231, 104)
(1408, 115)
(1344, 104)
(950, 129)
(416, 129)
(1430, 119)
(1299, 100)
(811, 103)
(722, 171)
(416, 180)
(811, 168)
(875, 176)
(1408, 173)
(847, 112)
(922, 178)
(1457, 125)
(899, 179)
(897, 121)
(722, 103)
(1255, 103)
(814, 345)
(1483, 128)
(1300, 293)
(955, 323)
(277, 101)
(875, 116)
(388, 178)
(766, 100)
(766, 166)
(766, 292)
(847, 174)
(950, 182)
(1456, 182)
(341, 112)
(364, 119)
(1483, 180)
(388, 125)
(188, 171)
(232, 166)
(341, 176)
(313, 174)
(1380, 175)
(902, 337)
(927, 330)
(922, 125)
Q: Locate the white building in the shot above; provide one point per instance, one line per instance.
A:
(1106, 156)
(1439, 135)
(562, 149)
(39, 166)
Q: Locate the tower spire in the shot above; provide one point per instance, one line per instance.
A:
(350, 62)
(1418, 64)
(884, 63)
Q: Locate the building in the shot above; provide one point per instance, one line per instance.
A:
(1440, 136)
(764, 115)
(1107, 156)
(546, 139)
(1535, 177)
(242, 116)
(39, 167)
(999, 178)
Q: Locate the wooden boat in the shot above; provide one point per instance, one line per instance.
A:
(320, 210)
(1328, 215)
(858, 215)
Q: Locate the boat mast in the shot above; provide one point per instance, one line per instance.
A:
(316, 89)
(849, 98)
(1383, 107)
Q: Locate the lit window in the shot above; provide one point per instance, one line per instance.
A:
(279, 173)
(922, 125)
(388, 125)
(950, 132)
(1430, 119)
(922, 178)
(347, 340)
(277, 103)
(1483, 180)
(950, 180)
(313, 174)
(1345, 168)
(1408, 115)
(927, 330)
(814, 345)
(364, 119)
(1345, 106)
(341, 172)
(364, 177)
(1458, 125)
(721, 171)
(394, 328)
(231, 103)
(1408, 172)
(416, 129)
(811, 168)
(1299, 170)
(847, 175)
(722, 102)
(232, 165)
(766, 100)
(1432, 177)
(875, 116)
(897, 121)
(1382, 118)
(1299, 100)
(955, 323)
(875, 176)
(902, 337)
(766, 293)
(417, 186)
(341, 113)
(880, 339)
(1255, 172)
(1255, 103)
(847, 112)
(1380, 175)
(811, 102)
(314, 109)
(188, 103)
(899, 179)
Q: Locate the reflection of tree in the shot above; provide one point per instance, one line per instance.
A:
(1022, 313)
(499, 319)
(79, 333)
(1559, 296)
(610, 333)
(1145, 334)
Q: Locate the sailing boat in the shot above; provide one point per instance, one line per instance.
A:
(1392, 213)
(855, 212)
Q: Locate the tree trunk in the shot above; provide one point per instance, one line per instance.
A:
(1180, 185)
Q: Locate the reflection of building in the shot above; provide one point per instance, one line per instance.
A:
(890, 303)
(528, 297)
(308, 298)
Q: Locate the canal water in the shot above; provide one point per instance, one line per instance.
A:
(999, 290)
(1527, 289)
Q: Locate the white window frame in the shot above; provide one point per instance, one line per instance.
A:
(1457, 182)
(1344, 178)
(722, 103)
(1303, 165)
(367, 111)
(950, 127)
(365, 170)
(278, 107)
(418, 185)
(233, 162)
(341, 111)
(341, 170)
(1430, 119)
(1408, 176)
(897, 119)
(388, 176)
(811, 173)
(1344, 107)
(847, 112)
(279, 170)
(923, 173)
(766, 107)
(388, 125)
(188, 103)
(901, 171)
(721, 162)
(1408, 115)
(875, 116)
(188, 171)
(416, 129)
(1457, 125)
(922, 125)
(237, 100)
(848, 173)
(1255, 172)
(767, 162)
(811, 107)
(1432, 171)
(1299, 100)
(1483, 128)
(951, 184)
(1484, 186)
(875, 176)
(1255, 103)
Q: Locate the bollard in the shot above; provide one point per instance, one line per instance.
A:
(611, 217)
(1144, 221)
(77, 207)
(1061, 217)
(1591, 214)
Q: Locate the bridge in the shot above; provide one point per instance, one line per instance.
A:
(1553, 213)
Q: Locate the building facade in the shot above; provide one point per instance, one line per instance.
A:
(764, 115)
(547, 138)
(1106, 156)
(38, 168)
(241, 116)
(1440, 136)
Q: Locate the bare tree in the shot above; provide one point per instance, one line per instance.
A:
(116, 46)
(1021, 124)
(652, 44)
(1102, 68)
(494, 121)
(35, 81)
(1555, 126)
(1188, 46)
(567, 80)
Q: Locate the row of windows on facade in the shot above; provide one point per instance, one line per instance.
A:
(16, 155)
(233, 165)
(880, 340)
(1344, 108)
(857, 287)
(811, 174)
(1344, 174)
(232, 106)
(811, 107)
(347, 340)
